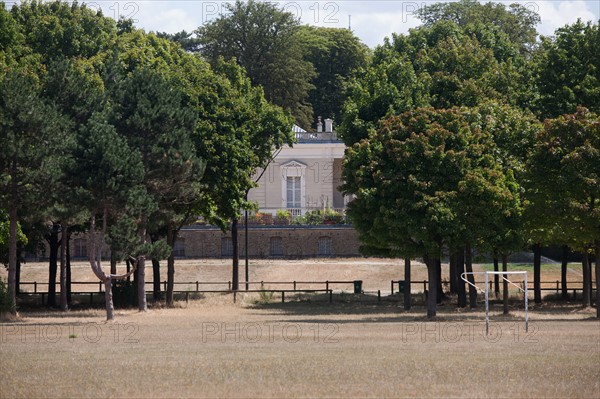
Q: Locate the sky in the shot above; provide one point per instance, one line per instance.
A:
(371, 21)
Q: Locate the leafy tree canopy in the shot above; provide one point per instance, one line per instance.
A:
(568, 70)
(264, 40)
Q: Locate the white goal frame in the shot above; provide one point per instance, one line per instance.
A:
(487, 289)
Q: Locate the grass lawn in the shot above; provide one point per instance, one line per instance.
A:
(353, 348)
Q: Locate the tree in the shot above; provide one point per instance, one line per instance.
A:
(564, 182)
(517, 21)
(236, 144)
(59, 29)
(152, 115)
(27, 169)
(336, 54)
(423, 180)
(264, 41)
(106, 177)
(442, 65)
(568, 70)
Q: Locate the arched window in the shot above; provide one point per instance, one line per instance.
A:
(293, 186)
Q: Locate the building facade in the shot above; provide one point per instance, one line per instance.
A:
(305, 176)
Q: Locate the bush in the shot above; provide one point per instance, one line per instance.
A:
(124, 294)
(5, 303)
(283, 216)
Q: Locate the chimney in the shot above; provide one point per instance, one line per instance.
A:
(319, 125)
(329, 125)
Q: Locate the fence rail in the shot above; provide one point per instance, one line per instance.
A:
(294, 287)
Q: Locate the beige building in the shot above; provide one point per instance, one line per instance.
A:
(305, 176)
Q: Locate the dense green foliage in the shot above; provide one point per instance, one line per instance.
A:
(142, 135)
(264, 40)
(447, 146)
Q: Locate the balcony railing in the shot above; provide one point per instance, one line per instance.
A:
(321, 136)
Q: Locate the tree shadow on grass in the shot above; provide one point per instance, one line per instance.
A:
(390, 310)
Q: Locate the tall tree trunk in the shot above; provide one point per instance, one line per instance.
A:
(54, 244)
(537, 275)
(141, 266)
(496, 276)
(68, 246)
(470, 278)
(108, 299)
(63, 269)
(156, 280)
(235, 281)
(597, 278)
(460, 284)
(505, 283)
(141, 284)
(407, 284)
(135, 286)
(433, 285)
(587, 279)
(18, 271)
(453, 276)
(440, 289)
(12, 260)
(171, 239)
(563, 272)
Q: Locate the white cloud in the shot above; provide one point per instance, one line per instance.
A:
(556, 14)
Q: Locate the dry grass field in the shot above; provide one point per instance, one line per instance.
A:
(213, 348)
(355, 347)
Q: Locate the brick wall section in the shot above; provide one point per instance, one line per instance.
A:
(204, 242)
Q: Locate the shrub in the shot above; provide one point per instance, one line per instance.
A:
(5, 303)
(124, 294)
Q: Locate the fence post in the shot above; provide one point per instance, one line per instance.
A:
(378, 295)
(557, 286)
(327, 284)
(197, 286)
(35, 287)
(164, 285)
(392, 287)
(294, 285)
(229, 285)
(100, 286)
(282, 296)
(424, 285)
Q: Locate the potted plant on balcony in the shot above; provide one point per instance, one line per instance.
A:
(332, 217)
(283, 217)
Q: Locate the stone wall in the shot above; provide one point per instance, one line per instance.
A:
(264, 242)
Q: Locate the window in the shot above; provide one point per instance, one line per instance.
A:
(80, 250)
(324, 246)
(226, 247)
(276, 246)
(294, 192)
(293, 186)
(179, 248)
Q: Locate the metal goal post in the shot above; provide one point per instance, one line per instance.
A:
(487, 289)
